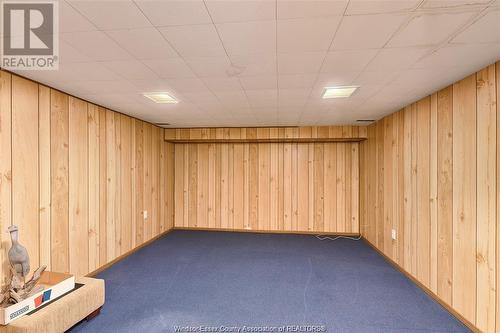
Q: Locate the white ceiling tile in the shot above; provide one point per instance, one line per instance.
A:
(222, 83)
(96, 45)
(417, 83)
(88, 71)
(194, 40)
(292, 97)
(164, 13)
(484, 30)
(72, 21)
(453, 3)
(209, 67)
(259, 82)
(106, 87)
(357, 32)
(68, 54)
(248, 37)
(344, 78)
(143, 44)
(236, 98)
(239, 11)
(357, 7)
(203, 99)
(305, 35)
(131, 69)
(469, 57)
(254, 64)
(290, 81)
(350, 60)
(150, 85)
(300, 63)
(262, 98)
(170, 68)
(377, 77)
(107, 15)
(396, 58)
(430, 29)
(187, 85)
(310, 8)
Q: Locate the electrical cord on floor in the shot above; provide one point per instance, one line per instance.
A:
(321, 238)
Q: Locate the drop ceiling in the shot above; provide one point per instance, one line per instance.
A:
(266, 63)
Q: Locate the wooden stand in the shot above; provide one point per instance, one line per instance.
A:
(63, 313)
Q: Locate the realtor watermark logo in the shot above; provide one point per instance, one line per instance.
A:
(30, 35)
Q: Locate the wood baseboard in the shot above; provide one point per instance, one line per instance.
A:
(429, 292)
(126, 254)
(348, 234)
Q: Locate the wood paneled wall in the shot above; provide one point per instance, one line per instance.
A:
(76, 178)
(291, 187)
(429, 172)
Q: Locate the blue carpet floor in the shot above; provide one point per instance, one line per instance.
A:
(214, 279)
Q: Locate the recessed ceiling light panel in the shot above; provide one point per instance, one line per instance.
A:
(161, 97)
(339, 92)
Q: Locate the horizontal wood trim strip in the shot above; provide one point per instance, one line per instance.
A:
(282, 232)
(267, 134)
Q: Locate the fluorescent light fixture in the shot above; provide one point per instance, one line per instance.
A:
(161, 97)
(339, 92)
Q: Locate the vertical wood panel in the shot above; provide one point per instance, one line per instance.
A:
(117, 195)
(43, 173)
(5, 170)
(78, 188)
(179, 185)
(126, 183)
(388, 186)
(93, 180)
(202, 186)
(464, 197)
(264, 163)
(423, 193)
(238, 186)
(59, 152)
(111, 186)
(103, 182)
(445, 194)
(155, 181)
(253, 186)
(354, 186)
(318, 184)
(193, 185)
(497, 67)
(486, 199)
(169, 161)
(302, 186)
(330, 188)
(433, 193)
(25, 191)
(148, 184)
(224, 186)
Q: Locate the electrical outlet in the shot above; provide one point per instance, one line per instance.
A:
(393, 234)
(145, 214)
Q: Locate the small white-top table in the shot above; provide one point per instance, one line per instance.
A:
(63, 313)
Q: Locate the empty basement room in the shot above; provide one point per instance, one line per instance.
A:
(249, 166)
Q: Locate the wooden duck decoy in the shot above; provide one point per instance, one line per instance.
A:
(18, 255)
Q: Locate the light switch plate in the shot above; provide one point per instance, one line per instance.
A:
(393, 234)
